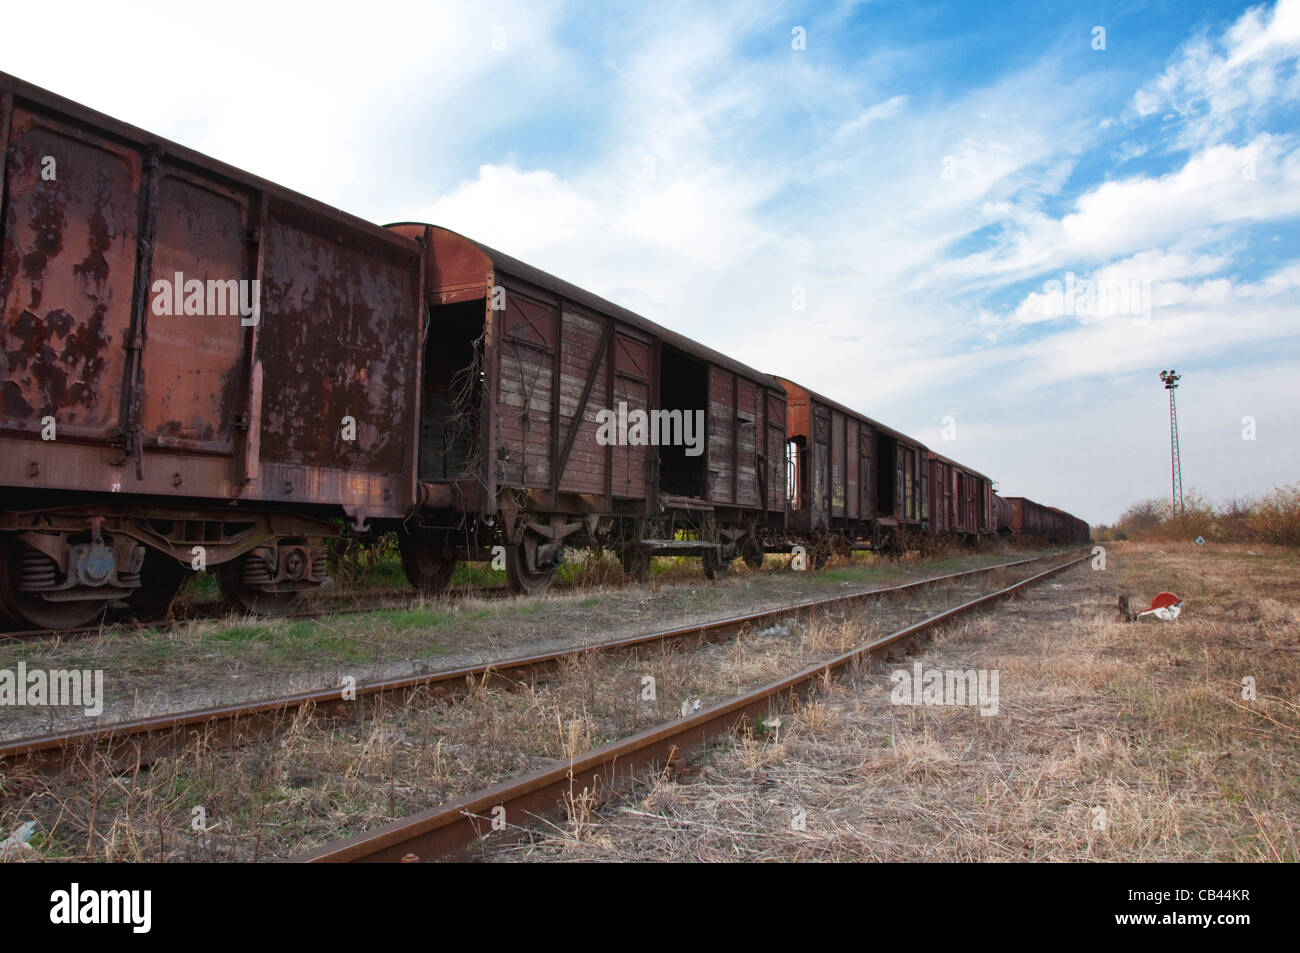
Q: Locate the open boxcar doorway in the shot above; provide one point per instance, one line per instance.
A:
(886, 468)
(452, 391)
(684, 386)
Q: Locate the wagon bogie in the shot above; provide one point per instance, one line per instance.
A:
(143, 553)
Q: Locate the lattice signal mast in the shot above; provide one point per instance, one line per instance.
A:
(1171, 379)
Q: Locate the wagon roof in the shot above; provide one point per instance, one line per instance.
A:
(883, 428)
(509, 265)
(960, 466)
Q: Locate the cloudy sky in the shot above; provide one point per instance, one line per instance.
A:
(1014, 215)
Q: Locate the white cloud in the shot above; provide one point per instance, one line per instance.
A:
(509, 209)
(1220, 187)
(886, 110)
(327, 99)
(1215, 87)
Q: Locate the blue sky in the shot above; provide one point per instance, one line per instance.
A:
(917, 175)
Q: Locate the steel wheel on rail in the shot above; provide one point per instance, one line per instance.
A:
(840, 546)
(752, 553)
(636, 561)
(892, 545)
(427, 561)
(24, 610)
(715, 564)
(819, 551)
(161, 580)
(241, 595)
(524, 580)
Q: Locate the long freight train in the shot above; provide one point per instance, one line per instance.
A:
(200, 369)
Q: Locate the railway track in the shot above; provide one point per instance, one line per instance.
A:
(451, 829)
(126, 744)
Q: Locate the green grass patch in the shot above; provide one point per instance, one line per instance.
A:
(400, 619)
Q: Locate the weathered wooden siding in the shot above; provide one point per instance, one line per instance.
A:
(632, 375)
(584, 471)
(524, 380)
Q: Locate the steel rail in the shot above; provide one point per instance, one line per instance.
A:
(447, 831)
(141, 741)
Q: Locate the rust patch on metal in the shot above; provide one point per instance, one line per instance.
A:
(67, 238)
(360, 369)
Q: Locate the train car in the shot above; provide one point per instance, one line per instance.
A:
(1002, 514)
(198, 369)
(552, 417)
(961, 500)
(851, 481)
(1081, 531)
(1024, 517)
(1069, 529)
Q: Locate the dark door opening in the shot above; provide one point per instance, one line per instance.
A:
(886, 465)
(452, 392)
(684, 386)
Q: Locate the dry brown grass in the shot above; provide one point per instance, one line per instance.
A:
(1114, 740)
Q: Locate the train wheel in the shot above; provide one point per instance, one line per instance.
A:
(752, 553)
(26, 611)
(715, 566)
(636, 562)
(523, 580)
(819, 551)
(161, 580)
(841, 546)
(240, 595)
(428, 564)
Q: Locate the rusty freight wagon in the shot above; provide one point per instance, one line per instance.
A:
(201, 370)
(1021, 517)
(198, 369)
(551, 417)
(851, 481)
(1070, 529)
(961, 499)
(1024, 517)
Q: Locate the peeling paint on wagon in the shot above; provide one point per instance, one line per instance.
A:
(151, 404)
(63, 315)
(191, 403)
(361, 369)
